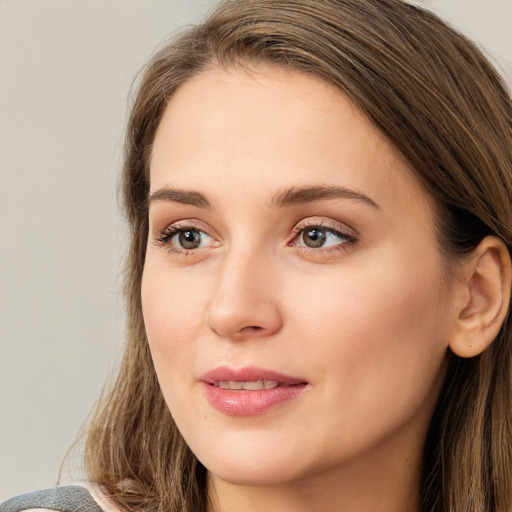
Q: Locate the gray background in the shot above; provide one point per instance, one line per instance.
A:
(66, 67)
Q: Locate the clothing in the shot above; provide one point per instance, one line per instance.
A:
(71, 498)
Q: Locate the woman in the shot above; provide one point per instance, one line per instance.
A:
(319, 194)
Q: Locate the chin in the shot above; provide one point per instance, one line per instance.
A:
(271, 473)
(253, 464)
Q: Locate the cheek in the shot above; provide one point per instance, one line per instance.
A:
(172, 315)
(380, 300)
(380, 332)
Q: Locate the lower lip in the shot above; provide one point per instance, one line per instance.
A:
(249, 403)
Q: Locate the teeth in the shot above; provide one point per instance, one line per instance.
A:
(234, 385)
(253, 386)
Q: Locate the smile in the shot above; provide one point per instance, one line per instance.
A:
(249, 391)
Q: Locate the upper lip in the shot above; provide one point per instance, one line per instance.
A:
(248, 374)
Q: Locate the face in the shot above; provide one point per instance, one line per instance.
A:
(295, 301)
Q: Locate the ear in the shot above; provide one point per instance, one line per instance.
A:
(484, 298)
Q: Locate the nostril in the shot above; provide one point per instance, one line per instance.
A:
(251, 329)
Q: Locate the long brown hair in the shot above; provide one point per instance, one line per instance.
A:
(447, 112)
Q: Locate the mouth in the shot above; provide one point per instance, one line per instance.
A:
(249, 391)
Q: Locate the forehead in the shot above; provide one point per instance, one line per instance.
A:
(260, 130)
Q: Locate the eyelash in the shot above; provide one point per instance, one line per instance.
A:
(164, 238)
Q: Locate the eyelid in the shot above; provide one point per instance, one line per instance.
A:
(183, 223)
(326, 223)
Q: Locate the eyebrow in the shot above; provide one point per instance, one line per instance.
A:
(288, 197)
(298, 195)
(179, 196)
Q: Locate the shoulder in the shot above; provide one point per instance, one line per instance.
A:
(70, 498)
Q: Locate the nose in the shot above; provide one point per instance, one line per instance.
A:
(245, 303)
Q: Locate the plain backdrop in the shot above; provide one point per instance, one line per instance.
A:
(66, 68)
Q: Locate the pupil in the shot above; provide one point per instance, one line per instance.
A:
(314, 237)
(189, 239)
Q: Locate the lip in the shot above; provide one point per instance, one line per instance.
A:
(249, 403)
(248, 374)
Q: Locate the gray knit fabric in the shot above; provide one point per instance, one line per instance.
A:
(71, 498)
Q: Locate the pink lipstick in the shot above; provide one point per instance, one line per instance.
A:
(248, 391)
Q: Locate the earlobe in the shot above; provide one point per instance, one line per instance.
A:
(487, 283)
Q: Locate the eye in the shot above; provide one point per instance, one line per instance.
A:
(184, 239)
(321, 237)
(315, 237)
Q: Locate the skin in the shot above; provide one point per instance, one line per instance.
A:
(364, 319)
